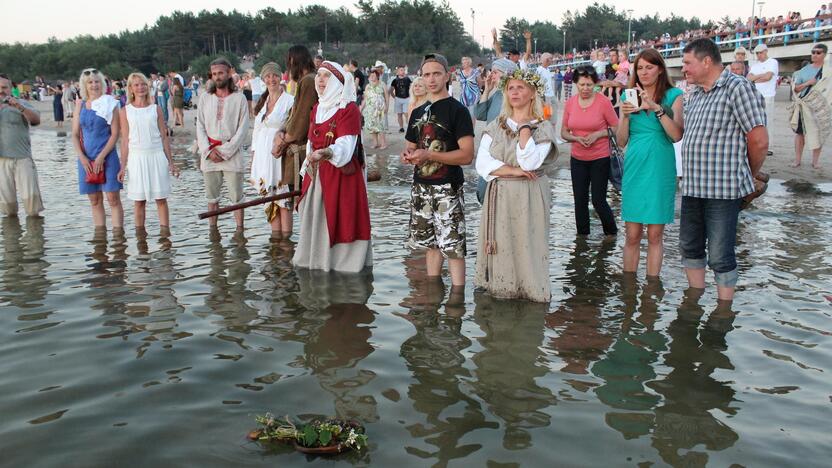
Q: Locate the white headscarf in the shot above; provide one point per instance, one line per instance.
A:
(337, 94)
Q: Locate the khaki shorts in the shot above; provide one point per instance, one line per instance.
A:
(213, 185)
(437, 219)
(19, 174)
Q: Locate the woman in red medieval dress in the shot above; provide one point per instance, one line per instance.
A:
(333, 210)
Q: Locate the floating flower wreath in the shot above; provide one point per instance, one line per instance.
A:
(527, 76)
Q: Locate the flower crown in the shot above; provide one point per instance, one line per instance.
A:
(527, 76)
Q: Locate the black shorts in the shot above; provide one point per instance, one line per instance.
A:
(799, 130)
(247, 94)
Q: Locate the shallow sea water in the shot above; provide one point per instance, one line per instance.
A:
(138, 351)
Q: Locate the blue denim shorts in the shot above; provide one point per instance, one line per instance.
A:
(711, 221)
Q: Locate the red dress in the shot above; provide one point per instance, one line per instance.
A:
(344, 189)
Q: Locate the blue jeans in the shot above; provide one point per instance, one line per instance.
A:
(713, 220)
(162, 101)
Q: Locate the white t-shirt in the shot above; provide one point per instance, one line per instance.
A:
(546, 76)
(767, 88)
(258, 86)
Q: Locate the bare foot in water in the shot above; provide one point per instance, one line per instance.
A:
(794, 164)
(815, 166)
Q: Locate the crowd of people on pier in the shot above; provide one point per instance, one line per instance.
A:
(307, 154)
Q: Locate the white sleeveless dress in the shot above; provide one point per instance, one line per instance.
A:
(266, 171)
(147, 165)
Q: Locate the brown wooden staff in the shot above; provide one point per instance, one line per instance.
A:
(372, 176)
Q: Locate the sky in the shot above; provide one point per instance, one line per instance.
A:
(65, 20)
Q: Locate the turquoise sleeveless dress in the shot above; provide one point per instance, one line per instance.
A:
(648, 187)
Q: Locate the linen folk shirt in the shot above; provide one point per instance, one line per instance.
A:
(715, 150)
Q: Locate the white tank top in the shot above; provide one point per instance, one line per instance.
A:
(144, 128)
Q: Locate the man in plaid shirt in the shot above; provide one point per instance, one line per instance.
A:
(725, 145)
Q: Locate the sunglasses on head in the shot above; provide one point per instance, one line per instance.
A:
(90, 71)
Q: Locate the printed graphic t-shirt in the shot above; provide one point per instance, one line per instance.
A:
(401, 87)
(437, 127)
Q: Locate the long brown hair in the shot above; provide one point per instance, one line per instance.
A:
(663, 81)
(299, 62)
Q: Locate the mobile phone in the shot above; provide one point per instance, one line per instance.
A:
(631, 96)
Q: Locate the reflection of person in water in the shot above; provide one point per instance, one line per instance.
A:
(686, 418)
(335, 349)
(153, 277)
(629, 362)
(508, 365)
(106, 273)
(24, 267)
(434, 356)
(581, 337)
(228, 273)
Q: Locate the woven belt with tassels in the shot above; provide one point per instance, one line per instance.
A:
(491, 223)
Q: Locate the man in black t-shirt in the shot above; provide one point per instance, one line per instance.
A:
(360, 80)
(440, 138)
(400, 91)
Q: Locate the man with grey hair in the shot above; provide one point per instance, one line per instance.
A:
(221, 125)
(17, 169)
(548, 81)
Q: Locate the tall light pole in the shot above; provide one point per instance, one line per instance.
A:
(564, 43)
(629, 27)
(535, 46)
(472, 23)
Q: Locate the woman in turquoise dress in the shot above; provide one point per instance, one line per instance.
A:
(648, 188)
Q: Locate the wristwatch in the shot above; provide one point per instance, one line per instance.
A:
(660, 114)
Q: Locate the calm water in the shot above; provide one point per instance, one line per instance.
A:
(149, 351)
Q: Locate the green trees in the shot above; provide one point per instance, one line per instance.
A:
(394, 31)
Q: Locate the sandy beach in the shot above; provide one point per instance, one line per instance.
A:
(781, 140)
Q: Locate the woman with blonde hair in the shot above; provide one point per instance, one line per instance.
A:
(94, 136)
(271, 112)
(145, 151)
(513, 245)
(418, 95)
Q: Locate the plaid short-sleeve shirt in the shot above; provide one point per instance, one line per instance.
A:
(715, 150)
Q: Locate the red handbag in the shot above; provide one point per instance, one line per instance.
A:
(95, 178)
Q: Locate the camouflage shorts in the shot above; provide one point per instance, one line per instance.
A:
(437, 219)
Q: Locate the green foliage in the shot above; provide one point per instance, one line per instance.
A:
(200, 65)
(397, 32)
(310, 436)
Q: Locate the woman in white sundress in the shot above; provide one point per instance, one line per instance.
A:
(271, 112)
(145, 152)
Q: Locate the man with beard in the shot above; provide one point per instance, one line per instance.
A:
(222, 121)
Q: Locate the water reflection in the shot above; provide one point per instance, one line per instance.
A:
(25, 283)
(228, 271)
(628, 364)
(340, 339)
(685, 419)
(434, 358)
(580, 338)
(155, 308)
(106, 274)
(509, 364)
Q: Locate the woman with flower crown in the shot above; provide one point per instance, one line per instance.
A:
(516, 148)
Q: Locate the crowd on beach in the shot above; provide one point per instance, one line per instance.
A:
(725, 31)
(626, 123)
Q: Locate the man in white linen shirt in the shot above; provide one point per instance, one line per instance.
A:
(222, 122)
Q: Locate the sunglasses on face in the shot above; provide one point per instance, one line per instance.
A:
(90, 71)
(818, 52)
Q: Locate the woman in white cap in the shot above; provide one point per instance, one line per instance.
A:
(271, 111)
(333, 208)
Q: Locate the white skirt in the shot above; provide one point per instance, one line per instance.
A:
(149, 177)
(266, 171)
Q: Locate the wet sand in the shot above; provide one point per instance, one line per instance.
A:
(781, 140)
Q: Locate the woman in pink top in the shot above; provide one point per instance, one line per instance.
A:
(586, 117)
